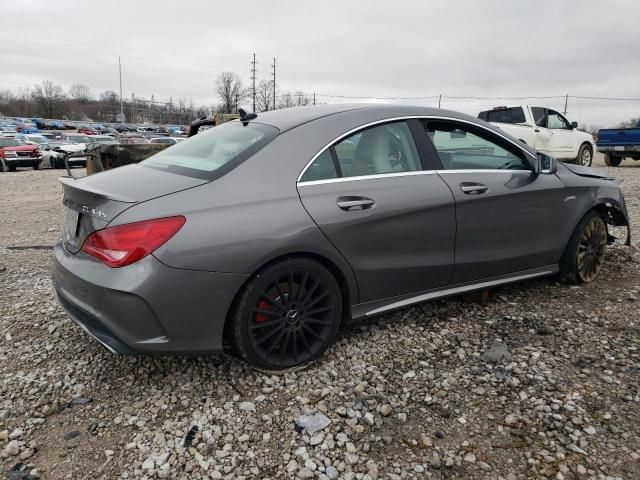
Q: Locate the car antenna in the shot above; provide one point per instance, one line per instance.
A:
(245, 117)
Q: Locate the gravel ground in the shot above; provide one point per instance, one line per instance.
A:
(539, 382)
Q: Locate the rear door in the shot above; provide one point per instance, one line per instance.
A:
(393, 221)
(508, 217)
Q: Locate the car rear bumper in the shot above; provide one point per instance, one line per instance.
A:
(145, 307)
(618, 148)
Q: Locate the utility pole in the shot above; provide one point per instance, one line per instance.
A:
(253, 80)
(274, 82)
(121, 111)
(133, 107)
(314, 98)
(566, 99)
(439, 100)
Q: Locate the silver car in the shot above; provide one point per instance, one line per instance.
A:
(270, 232)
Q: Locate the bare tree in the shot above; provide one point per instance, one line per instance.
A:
(287, 100)
(80, 93)
(6, 101)
(301, 99)
(49, 96)
(264, 96)
(230, 91)
(634, 122)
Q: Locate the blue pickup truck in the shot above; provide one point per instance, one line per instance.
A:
(619, 143)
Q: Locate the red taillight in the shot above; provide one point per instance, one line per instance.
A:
(126, 244)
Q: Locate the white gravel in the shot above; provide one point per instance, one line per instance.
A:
(539, 382)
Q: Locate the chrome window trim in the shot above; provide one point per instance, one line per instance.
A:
(482, 170)
(398, 119)
(367, 177)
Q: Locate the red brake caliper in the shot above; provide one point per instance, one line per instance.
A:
(262, 305)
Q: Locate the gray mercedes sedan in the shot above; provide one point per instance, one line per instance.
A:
(270, 232)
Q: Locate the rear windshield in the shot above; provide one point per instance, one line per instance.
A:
(503, 115)
(213, 152)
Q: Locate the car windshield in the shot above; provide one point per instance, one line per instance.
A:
(10, 142)
(215, 151)
(38, 139)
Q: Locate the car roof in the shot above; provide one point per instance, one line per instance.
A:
(288, 118)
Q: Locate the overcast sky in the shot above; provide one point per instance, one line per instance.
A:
(343, 48)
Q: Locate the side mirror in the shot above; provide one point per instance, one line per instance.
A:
(574, 124)
(546, 165)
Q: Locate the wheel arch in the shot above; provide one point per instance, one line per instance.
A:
(348, 288)
(614, 215)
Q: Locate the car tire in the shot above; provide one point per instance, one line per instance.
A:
(272, 324)
(612, 160)
(12, 168)
(585, 251)
(585, 156)
(36, 165)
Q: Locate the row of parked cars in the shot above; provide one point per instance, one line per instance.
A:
(35, 125)
(53, 148)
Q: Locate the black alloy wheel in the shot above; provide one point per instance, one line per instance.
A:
(591, 249)
(288, 315)
(585, 252)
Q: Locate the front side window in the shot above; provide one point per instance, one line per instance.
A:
(556, 121)
(387, 148)
(210, 153)
(463, 147)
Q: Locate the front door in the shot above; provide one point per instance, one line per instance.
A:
(507, 216)
(393, 221)
(553, 133)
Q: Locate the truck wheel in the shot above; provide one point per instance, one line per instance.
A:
(36, 165)
(585, 156)
(12, 168)
(612, 160)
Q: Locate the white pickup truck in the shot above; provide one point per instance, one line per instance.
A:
(545, 130)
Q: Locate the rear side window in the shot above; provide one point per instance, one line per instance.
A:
(504, 115)
(322, 168)
(386, 148)
(539, 116)
(214, 152)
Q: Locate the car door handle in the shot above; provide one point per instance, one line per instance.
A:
(473, 188)
(351, 204)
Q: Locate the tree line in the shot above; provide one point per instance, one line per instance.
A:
(50, 100)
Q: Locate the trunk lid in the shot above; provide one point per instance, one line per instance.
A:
(91, 203)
